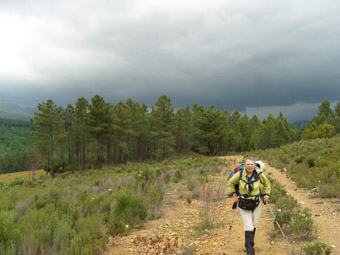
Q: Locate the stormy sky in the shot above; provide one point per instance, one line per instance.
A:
(252, 56)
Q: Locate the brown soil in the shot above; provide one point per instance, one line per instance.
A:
(177, 228)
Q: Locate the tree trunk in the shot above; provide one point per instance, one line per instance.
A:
(117, 151)
(82, 152)
(108, 153)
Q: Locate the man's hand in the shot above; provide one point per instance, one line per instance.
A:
(265, 199)
(235, 198)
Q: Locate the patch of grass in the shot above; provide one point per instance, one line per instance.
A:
(24, 174)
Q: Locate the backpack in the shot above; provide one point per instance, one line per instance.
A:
(240, 169)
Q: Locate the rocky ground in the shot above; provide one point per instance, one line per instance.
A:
(180, 229)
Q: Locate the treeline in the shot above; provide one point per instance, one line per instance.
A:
(16, 147)
(325, 124)
(15, 123)
(14, 136)
(97, 133)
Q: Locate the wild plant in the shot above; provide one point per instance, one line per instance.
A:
(9, 232)
(317, 247)
(289, 213)
(211, 193)
(129, 210)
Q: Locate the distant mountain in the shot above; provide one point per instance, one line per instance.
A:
(11, 111)
(299, 123)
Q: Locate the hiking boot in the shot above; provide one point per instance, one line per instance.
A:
(249, 236)
(245, 245)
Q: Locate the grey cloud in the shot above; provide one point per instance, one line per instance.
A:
(235, 55)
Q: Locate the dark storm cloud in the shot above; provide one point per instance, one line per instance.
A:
(235, 55)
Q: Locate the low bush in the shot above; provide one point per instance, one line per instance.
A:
(130, 209)
(9, 232)
(311, 162)
(317, 247)
(289, 214)
(299, 159)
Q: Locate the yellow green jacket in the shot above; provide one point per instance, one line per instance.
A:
(254, 192)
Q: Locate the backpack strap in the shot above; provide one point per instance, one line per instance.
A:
(251, 183)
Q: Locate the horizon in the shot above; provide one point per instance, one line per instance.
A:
(245, 56)
(249, 112)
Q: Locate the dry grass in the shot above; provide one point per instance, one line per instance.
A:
(24, 174)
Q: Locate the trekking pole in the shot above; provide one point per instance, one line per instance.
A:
(231, 224)
(277, 223)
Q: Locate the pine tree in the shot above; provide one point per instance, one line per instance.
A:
(139, 125)
(68, 126)
(183, 122)
(211, 131)
(45, 124)
(325, 109)
(266, 133)
(80, 115)
(99, 122)
(197, 111)
(235, 139)
(162, 127)
(121, 129)
(245, 131)
(337, 109)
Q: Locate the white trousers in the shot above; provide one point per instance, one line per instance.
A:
(251, 218)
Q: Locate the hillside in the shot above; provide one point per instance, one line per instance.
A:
(180, 229)
(312, 164)
(16, 147)
(180, 204)
(11, 111)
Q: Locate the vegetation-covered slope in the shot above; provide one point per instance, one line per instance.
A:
(311, 164)
(76, 213)
(16, 147)
(11, 111)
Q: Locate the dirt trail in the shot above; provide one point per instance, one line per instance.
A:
(325, 212)
(179, 219)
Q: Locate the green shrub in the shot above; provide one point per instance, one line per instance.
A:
(317, 247)
(329, 190)
(116, 227)
(284, 158)
(299, 159)
(130, 209)
(9, 232)
(289, 213)
(302, 223)
(167, 178)
(203, 176)
(311, 162)
(179, 175)
(155, 194)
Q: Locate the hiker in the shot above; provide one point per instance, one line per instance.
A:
(248, 197)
